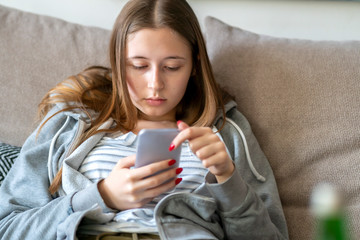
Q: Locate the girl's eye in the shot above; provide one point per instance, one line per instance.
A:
(172, 68)
(139, 67)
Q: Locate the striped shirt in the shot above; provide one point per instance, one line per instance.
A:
(111, 149)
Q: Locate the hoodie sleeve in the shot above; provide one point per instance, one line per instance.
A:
(27, 209)
(249, 208)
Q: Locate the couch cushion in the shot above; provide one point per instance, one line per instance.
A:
(302, 99)
(36, 52)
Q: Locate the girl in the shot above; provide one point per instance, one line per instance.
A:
(74, 176)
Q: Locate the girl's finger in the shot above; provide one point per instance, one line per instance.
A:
(207, 151)
(182, 125)
(189, 134)
(178, 139)
(203, 141)
(148, 170)
(157, 180)
(127, 162)
(166, 186)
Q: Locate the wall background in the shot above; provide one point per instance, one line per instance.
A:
(318, 20)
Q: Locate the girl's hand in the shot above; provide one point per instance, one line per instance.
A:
(207, 146)
(127, 188)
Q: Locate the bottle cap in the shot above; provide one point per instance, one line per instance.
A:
(325, 200)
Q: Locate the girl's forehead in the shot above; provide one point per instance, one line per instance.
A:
(156, 41)
(165, 32)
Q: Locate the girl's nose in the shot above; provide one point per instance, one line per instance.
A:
(156, 79)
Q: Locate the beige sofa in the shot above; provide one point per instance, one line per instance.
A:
(302, 98)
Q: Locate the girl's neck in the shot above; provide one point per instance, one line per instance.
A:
(141, 124)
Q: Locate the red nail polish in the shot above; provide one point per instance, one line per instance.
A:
(178, 122)
(172, 162)
(178, 180)
(179, 170)
(172, 146)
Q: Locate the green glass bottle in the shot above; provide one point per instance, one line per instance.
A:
(327, 209)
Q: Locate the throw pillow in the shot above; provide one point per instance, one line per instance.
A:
(8, 154)
(302, 99)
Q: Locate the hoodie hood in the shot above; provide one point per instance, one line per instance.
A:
(229, 107)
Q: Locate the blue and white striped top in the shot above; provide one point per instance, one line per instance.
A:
(102, 159)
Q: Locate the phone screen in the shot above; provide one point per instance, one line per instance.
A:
(153, 146)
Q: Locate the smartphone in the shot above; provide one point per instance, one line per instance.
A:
(153, 146)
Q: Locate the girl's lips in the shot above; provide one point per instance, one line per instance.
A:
(155, 101)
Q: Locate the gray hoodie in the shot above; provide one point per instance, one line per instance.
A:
(246, 206)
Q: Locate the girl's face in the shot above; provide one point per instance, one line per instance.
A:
(158, 68)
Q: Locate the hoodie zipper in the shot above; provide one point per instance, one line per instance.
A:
(73, 144)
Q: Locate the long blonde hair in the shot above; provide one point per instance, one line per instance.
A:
(105, 91)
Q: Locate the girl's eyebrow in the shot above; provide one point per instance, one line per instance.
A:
(137, 57)
(175, 57)
(170, 57)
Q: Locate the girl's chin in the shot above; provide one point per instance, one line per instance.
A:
(158, 116)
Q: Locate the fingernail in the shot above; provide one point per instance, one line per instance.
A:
(178, 180)
(172, 146)
(172, 162)
(178, 122)
(179, 170)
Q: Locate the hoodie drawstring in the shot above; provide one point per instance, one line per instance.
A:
(247, 153)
